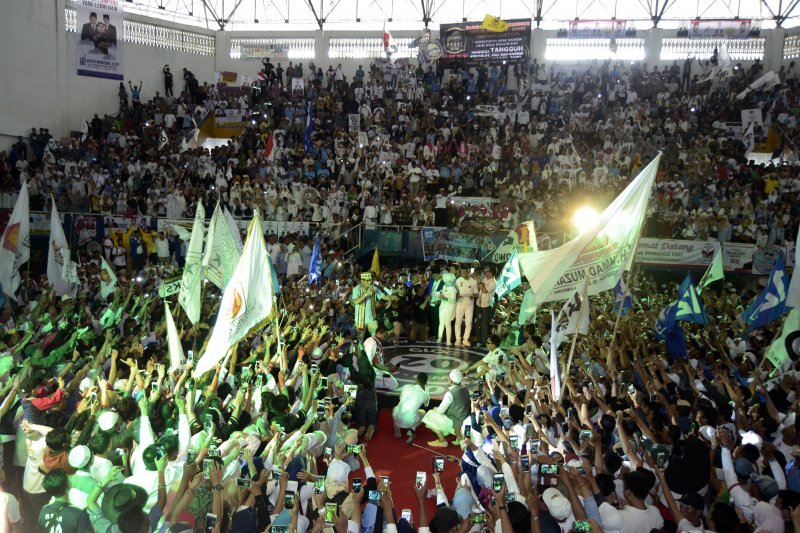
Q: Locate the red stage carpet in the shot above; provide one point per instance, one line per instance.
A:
(396, 459)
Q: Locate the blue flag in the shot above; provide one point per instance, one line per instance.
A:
(689, 307)
(771, 303)
(315, 267)
(622, 298)
(309, 126)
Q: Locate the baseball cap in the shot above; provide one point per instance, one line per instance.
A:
(557, 504)
(743, 467)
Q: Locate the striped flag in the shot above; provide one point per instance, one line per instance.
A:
(510, 276)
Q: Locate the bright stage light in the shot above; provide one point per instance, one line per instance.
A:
(584, 218)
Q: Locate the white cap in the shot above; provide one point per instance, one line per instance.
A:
(79, 456)
(107, 420)
(456, 376)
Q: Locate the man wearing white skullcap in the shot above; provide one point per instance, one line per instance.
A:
(447, 418)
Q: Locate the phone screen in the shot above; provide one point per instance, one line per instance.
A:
(421, 477)
(438, 464)
(243, 482)
(288, 500)
(406, 514)
(374, 496)
(331, 510)
(497, 482)
(357, 484)
(513, 440)
(211, 522)
(468, 432)
(479, 518)
(208, 465)
(526, 463)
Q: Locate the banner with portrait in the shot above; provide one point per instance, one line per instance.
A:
(720, 29)
(597, 29)
(99, 32)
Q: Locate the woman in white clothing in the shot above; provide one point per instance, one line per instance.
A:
(408, 413)
(447, 307)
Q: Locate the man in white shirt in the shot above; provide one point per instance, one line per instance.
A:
(638, 516)
(467, 292)
(486, 290)
(408, 413)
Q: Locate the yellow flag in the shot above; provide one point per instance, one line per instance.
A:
(495, 24)
(376, 263)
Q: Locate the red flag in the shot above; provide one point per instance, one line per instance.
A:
(268, 147)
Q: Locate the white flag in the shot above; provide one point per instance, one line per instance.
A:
(221, 254)
(163, 139)
(108, 280)
(248, 299)
(176, 358)
(713, 272)
(15, 248)
(189, 297)
(234, 229)
(70, 275)
(555, 379)
(183, 147)
(749, 138)
(57, 250)
(793, 295)
(601, 252)
(574, 316)
(84, 130)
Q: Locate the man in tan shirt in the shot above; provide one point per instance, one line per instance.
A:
(467, 292)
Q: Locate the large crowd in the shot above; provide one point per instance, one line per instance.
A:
(102, 432)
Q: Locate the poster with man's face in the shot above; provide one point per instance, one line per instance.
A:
(99, 43)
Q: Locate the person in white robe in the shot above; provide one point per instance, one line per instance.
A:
(408, 413)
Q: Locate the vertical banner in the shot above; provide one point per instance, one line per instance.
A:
(100, 38)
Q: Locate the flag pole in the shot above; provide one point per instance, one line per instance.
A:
(572, 347)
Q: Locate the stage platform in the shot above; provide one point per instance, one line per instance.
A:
(436, 360)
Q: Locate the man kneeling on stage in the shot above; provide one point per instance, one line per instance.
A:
(447, 418)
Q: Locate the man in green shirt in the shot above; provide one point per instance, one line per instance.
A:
(59, 516)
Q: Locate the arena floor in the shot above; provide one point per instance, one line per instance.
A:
(437, 360)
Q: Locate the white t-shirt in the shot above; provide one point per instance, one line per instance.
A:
(9, 506)
(637, 520)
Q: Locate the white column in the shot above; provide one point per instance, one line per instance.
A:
(64, 67)
(652, 46)
(222, 50)
(321, 50)
(773, 49)
(538, 44)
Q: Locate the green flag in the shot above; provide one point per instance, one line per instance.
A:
(777, 354)
(189, 296)
(510, 276)
(713, 272)
(222, 253)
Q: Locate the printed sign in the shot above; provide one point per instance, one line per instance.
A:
(472, 43)
(99, 34)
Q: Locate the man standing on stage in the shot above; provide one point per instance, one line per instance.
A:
(363, 299)
(486, 290)
(434, 286)
(467, 291)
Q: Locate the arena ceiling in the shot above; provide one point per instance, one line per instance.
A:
(367, 15)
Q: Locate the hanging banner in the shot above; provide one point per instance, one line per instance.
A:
(470, 42)
(738, 257)
(597, 29)
(452, 245)
(100, 38)
(674, 253)
(716, 29)
(232, 118)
